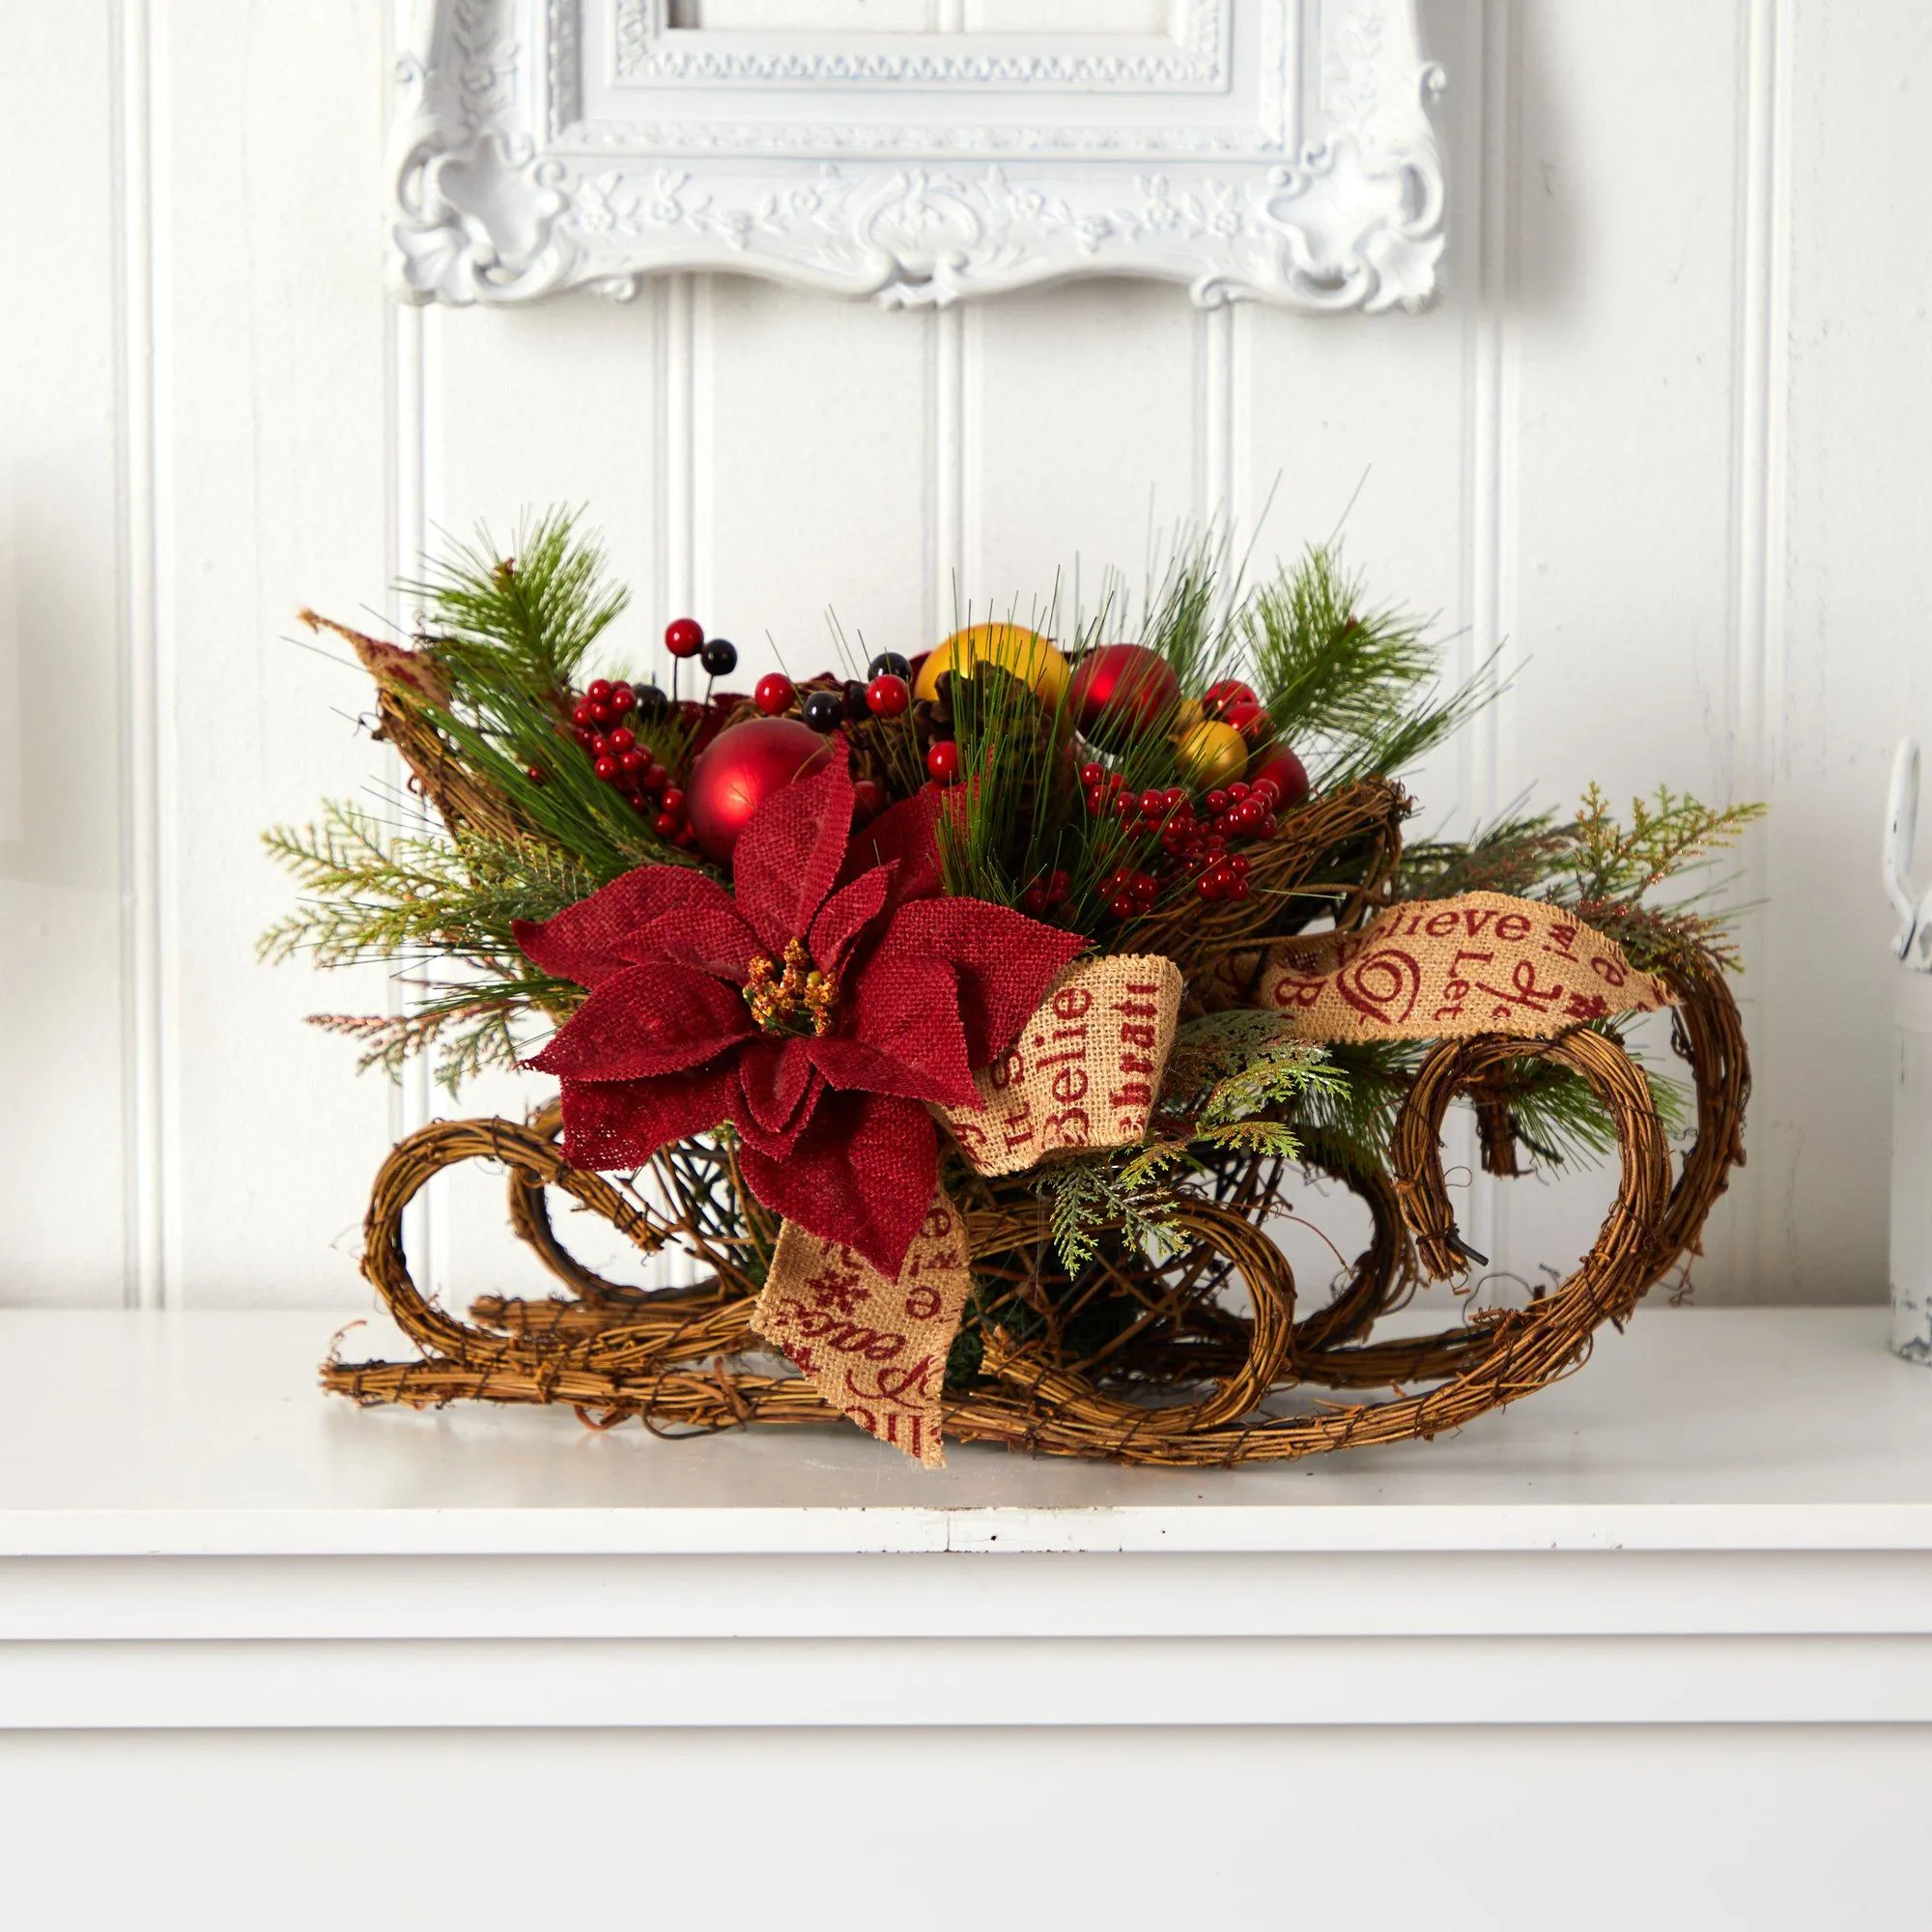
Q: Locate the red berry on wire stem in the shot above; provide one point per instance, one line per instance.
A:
(684, 637)
(941, 759)
(775, 693)
(886, 695)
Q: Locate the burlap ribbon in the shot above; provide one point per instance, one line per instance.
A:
(1443, 969)
(1085, 1073)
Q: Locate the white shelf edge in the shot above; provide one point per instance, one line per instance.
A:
(1201, 1529)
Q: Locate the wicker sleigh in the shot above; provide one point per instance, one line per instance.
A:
(1189, 1379)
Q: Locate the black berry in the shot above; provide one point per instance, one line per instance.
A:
(890, 663)
(719, 657)
(650, 701)
(824, 710)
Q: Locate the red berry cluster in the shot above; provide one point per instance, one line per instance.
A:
(1128, 892)
(1195, 838)
(597, 724)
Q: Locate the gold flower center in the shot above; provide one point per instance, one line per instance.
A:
(796, 998)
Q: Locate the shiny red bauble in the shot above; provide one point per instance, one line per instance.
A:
(1217, 698)
(1284, 770)
(941, 759)
(775, 693)
(1249, 720)
(739, 770)
(1121, 692)
(684, 637)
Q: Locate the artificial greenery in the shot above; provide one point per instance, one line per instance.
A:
(439, 907)
(509, 636)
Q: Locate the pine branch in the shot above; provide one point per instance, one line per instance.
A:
(534, 613)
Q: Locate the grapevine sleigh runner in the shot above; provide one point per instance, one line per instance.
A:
(965, 1023)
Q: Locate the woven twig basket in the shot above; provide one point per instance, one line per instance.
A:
(1187, 1380)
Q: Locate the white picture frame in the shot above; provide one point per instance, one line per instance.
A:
(1277, 151)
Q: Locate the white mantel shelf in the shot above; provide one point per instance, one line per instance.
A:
(1726, 1517)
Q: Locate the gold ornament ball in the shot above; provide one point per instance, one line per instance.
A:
(1025, 653)
(1211, 755)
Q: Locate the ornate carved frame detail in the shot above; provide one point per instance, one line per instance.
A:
(1261, 150)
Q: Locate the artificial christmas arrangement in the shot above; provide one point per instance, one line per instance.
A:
(964, 1022)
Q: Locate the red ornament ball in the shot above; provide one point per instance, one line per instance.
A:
(1248, 718)
(1216, 700)
(739, 770)
(684, 637)
(1122, 690)
(1282, 769)
(942, 761)
(888, 696)
(775, 693)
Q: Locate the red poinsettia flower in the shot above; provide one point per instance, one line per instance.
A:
(820, 1009)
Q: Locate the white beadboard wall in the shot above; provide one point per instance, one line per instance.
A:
(1667, 437)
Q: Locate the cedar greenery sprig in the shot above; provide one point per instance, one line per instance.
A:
(441, 907)
(1602, 870)
(1234, 1083)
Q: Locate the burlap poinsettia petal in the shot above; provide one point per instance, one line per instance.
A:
(1004, 963)
(647, 1021)
(907, 1009)
(620, 1124)
(657, 913)
(844, 917)
(863, 1176)
(851, 1065)
(903, 835)
(789, 856)
(779, 1083)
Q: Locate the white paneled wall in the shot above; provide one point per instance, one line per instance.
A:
(1666, 439)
